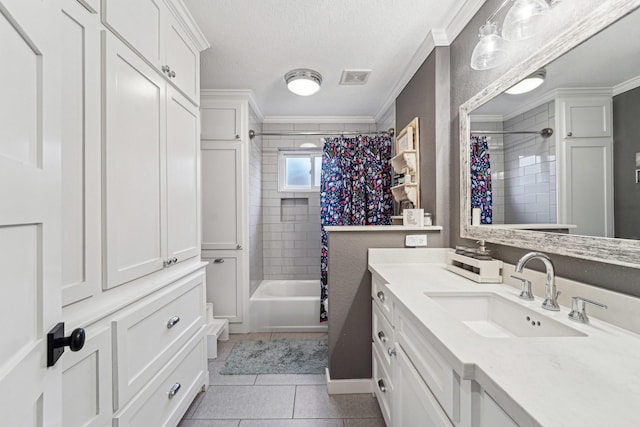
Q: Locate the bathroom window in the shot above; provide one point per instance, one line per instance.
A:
(299, 170)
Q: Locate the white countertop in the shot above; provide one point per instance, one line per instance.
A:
(565, 381)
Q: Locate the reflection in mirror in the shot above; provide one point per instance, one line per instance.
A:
(581, 179)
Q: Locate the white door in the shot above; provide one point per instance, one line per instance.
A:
(30, 300)
(222, 195)
(183, 59)
(585, 190)
(134, 156)
(80, 31)
(183, 177)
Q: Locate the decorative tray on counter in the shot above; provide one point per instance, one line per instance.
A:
(477, 270)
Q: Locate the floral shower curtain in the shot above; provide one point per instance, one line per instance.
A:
(481, 195)
(355, 190)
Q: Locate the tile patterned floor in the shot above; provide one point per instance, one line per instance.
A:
(276, 400)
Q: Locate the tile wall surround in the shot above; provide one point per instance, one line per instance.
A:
(256, 249)
(292, 248)
(530, 169)
(523, 168)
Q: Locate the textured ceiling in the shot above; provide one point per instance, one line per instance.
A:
(255, 42)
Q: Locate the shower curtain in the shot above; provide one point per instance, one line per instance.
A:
(481, 196)
(355, 190)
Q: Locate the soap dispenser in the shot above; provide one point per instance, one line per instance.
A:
(482, 253)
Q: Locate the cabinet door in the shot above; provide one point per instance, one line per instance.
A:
(134, 165)
(222, 195)
(493, 415)
(30, 149)
(183, 149)
(80, 111)
(139, 24)
(585, 185)
(588, 117)
(221, 120)
(183, 60)
(224, 285)
(86, 382)
(414, 404)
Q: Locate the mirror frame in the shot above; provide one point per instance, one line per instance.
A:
(624, 252)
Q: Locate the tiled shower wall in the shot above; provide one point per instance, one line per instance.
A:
(291, 221)
(496, 159)
(530, 169)
(256, 263)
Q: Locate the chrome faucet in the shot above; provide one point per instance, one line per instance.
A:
(551, 292)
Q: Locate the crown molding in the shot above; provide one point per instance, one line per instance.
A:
(319, 119)
(626, 86)
(244, 94)
(462, 17)
(186, 21)
(418, 58)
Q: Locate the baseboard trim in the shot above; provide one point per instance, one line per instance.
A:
(353, 386)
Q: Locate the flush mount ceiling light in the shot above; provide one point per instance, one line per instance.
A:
(528, 83)
(303, 82)
(524, 19)
(491, 49)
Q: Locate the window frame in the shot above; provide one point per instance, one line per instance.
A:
(283, 155)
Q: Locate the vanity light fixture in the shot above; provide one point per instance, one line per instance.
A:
(303, 82)
(528, 83)
(491, 50)
(523, 21)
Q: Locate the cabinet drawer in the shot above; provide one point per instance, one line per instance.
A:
(383, 337)
(382, 386)
(431, 366)
(146, 338)
(166, 398)
(380, 294)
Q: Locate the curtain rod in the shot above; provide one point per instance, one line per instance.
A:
(545, 133)
(253, 133)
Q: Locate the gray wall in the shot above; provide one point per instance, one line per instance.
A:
(350, 297)
(626, 143)
(465, 83)
(426, 96)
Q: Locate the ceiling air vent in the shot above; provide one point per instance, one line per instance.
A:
(354, 77)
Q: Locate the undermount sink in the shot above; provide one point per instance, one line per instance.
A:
(491, 315)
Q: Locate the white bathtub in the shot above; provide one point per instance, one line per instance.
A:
(286, 306)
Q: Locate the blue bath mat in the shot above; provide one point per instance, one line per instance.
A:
(278, 356)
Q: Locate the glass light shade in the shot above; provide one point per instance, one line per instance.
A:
(491, 50)
(529, 83)
(524, 19)
(303, 82)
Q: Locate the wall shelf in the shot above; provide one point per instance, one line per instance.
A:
(405, 162)
(406, 192)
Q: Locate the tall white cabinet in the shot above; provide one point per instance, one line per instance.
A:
(101, 169)
(225, 202)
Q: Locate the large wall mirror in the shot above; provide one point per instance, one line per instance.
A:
(556, 169)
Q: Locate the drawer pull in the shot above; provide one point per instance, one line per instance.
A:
(172, 322)
(391, 352)
(174, 390)
(218, 261)
(381, 296)
(382, 337)
(381, 386)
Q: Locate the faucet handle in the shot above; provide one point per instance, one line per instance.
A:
(525, 292)
(578, 309)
